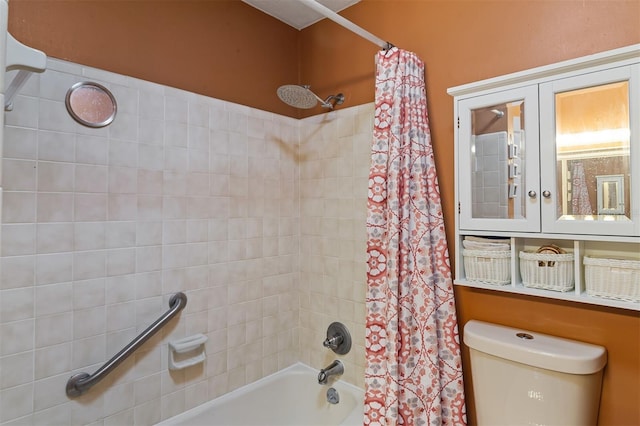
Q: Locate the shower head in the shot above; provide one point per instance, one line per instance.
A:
(299, 96)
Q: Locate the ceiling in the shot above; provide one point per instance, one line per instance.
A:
(296, 14)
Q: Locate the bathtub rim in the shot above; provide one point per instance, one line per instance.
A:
(354, 417)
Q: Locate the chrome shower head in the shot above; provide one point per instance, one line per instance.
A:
(299, 96)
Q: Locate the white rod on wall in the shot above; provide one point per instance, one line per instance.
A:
(15, 56)
(346, 23)
(26, 60)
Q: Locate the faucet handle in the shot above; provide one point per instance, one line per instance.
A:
(333, 342)
(338, 338)
(322, 377)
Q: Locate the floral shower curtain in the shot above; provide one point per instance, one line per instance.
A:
(580, 202)
(413, 372)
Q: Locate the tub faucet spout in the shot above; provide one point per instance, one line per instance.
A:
(334, 369)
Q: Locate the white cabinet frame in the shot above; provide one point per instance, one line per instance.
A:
(582, 240)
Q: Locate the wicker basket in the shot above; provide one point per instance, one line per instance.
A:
(548, 271)
(488, 266)
(612, 278)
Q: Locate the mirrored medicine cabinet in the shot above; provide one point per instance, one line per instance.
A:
(552, 156)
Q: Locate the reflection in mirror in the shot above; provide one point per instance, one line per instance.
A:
(497, 159)
(610, 191)
(91, 104)
(592, 139)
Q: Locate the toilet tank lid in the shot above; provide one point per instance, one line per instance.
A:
(535, 349)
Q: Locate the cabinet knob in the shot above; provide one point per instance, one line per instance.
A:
(532, 194)
(546, 194)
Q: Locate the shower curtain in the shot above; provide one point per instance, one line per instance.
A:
(580, 202)
(413, 370)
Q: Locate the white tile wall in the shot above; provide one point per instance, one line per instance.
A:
(333, 202)
(259, 218)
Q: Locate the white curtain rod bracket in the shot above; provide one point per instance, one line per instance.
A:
(24, 59)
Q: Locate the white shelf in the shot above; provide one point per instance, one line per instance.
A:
(542, 235)
(579, 247)
(570, 296)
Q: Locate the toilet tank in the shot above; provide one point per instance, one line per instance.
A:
(526, 378)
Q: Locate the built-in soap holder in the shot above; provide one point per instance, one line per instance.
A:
(186, 352)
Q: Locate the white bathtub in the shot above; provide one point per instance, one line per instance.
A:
(289, 397)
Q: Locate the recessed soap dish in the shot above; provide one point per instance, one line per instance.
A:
(186, 352)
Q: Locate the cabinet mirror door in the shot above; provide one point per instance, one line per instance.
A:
(498, 161)
(590, 136)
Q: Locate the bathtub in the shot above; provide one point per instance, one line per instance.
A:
(289, 397)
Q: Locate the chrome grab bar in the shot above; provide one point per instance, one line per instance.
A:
(80, 383)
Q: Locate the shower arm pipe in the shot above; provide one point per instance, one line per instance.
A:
(328, 13)
(326, 103)
(322, 101)
(80, 383)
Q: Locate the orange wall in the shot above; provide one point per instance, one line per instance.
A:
(227, 50)
(465, 41)
(223, 48)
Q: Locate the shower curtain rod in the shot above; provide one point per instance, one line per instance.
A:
(385, 45)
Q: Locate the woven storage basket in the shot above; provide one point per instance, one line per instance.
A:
(488, 266)
(612, 278)
(548, 271)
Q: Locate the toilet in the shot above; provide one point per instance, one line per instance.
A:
(526, 378)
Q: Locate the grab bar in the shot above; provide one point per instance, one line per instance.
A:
(80, 383)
